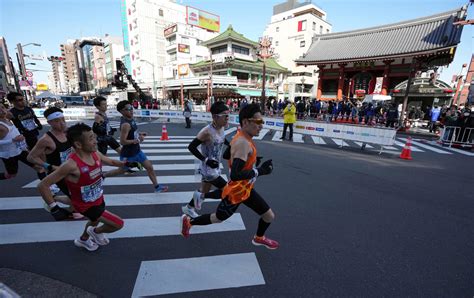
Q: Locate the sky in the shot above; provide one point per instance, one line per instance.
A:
(52, 22)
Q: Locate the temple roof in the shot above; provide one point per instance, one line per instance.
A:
(229, 34)
(413, 37)
(270, 64)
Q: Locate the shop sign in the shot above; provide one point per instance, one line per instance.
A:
(183, 48)
(171, 30)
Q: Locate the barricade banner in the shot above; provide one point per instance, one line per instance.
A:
(374, 135)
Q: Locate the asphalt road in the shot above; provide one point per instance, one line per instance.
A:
(349, 222)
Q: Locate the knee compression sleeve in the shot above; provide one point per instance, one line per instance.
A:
(113, 218)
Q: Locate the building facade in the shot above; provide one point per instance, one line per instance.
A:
(70, 70)
(183, 47)
(8, 80)
(292, 27)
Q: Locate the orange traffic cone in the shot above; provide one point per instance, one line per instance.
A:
(164, 133)
(406, 152)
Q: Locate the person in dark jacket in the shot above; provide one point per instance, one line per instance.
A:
(392, 116)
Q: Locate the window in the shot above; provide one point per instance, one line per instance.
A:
(129, 12)
(240, 50)
(218, 50)
(173, 56)
(327, 31)
(278, 29)
(314, 26)
(302, 44)
(130, 26)
(301, 25)
(320, 29)
(160, 12)
(276, 43)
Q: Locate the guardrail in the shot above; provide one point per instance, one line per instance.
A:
(455, 136)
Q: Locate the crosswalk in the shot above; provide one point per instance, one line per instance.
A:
(154, 276)
(418, 146)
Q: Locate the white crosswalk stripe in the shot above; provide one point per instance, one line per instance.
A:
(318, 140)
(340, 142)
(414, 149)
(262, 134)
(366, 145)
(431, 148)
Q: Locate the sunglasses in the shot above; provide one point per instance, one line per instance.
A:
(257, 121)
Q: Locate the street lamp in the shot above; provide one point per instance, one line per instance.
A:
(153, 68)
(265, 51)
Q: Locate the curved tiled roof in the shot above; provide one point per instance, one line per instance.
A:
(420, 35)
(231, 34)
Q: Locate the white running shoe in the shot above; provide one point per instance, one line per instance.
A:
(87, 244)
(190, 211)
(97, 238)
(198, 199)
(54, 189)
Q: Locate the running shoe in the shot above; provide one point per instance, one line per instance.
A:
(54, 189)
(77, 216)
(190, 211)
(198, 199)
(46, 207)
(96, 237)
(87, 244)
(267, 242)
(161, 188)
(185, 225)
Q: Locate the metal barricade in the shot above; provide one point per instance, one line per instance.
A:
(456, 136)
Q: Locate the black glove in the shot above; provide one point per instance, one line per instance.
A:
(60, 213)
(212, 163)
(259, 160)
(266, 168)
(133, 164)
(226, 154)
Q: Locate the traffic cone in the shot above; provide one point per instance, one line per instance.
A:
(406, 152)
(164, 133)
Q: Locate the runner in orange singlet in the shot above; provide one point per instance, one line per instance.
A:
(243, 175)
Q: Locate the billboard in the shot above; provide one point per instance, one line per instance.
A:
(183, 48)
(200, 18)
(170, 30)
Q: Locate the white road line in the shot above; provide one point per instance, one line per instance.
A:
(166, 142)
(164, 167)
(414, 149)
(426, 147)
(262, 134)
(366, 145)
(318, 140)
(133, 228)
(170, 157)
(163, 145)
(131, 199)
(340, 142)
(158, 151)
(171, 276)
(390, 148)
(459, 151)
(141, 180)
(277, 136)
(230, 130)
(298, 138)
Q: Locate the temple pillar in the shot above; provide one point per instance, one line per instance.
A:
(340, 85)
(386, 79)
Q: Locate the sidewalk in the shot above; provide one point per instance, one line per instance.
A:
(27, 284)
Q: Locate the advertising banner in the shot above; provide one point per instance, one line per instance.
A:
(202, 19)
(170, 30)
(183, 48)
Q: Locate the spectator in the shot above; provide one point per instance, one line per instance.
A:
(434, 115)
(392, 116)
(187, 113)
(289, 117)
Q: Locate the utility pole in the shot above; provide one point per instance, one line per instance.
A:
(265, 51)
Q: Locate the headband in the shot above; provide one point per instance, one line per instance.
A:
(54, 115)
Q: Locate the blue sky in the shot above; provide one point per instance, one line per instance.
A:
(52, 22)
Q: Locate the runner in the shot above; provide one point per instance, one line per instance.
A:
(27, 123)
(83, 175)
(53, 148)
(243, 175)
(211, 139)
(12, 146)
(130, 139)
(101, 127)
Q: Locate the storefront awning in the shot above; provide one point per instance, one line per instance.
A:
(249, 92)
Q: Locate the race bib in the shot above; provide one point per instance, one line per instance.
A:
(108, 128)
(65, 154)
(29, 124)
(93, 192)
(135, 134)
(21, 145)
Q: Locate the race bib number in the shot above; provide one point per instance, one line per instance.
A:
(65, 154)
(21, 145)
(108, 128)
(29, 124)
(93, 192)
